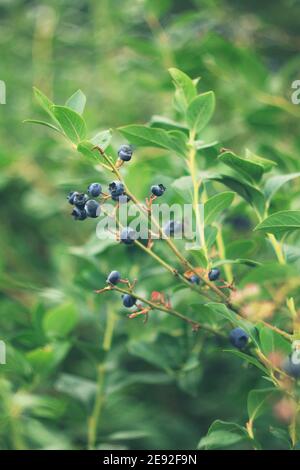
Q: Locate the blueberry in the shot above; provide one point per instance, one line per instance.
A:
(79, 199)
(79, 213)
(194, 279)
(94, 189)
(114, 277)
(172, 227)
(291, 368)
(92, 208)
(158, 189)
(238, 338)
(125, 153)
(116, 188)
(71, 196)
(128, 300)
(214, 274)
(128, 235)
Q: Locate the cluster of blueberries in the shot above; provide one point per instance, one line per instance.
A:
(84, 206)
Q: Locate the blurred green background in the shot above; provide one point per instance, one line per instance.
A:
(158, 385)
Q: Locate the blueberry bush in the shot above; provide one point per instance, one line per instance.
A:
(123, 341)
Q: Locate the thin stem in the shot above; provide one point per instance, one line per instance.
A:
(277, 248)
(94, 418)
(196, 187)
(222, 253)
(170, 311)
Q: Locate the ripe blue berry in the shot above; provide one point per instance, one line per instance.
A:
(114, 277)
(79, 199)
(92, 208)
(116, 188)
(238, 338)
(128, 235)
(214, 274)
(125, 153)
(79, 213)
(291, 368)
(158, 190)
(71, 196)
(194, 279)
(172, 227)
(94, 189)
(128, 300)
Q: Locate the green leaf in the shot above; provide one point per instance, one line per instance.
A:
(43, 101)
(264, 162)
(167, 124)
(77, 102)
(42, 123)
(71, 122)
(217, 204)
(258, 401)
(151, 137)
(248, 262)
(46, 358)
(271, 272)
(199, 254)
(102, 139)
(271, 341)
(233, 318)
(223, 435)
(250, 170)
(186, 89)
(200, 111)
(210, 234)
(247, 358)
(275, 183)
(247, 191)
(86, 148)
(280, 223)
(60, 321)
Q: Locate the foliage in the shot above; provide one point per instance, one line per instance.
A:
(79, 373)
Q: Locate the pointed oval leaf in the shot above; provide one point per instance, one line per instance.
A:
(275, 183)
(60, 321)
(250, 170)
(217, 204)
(280, 223)
(223, 435)
(184, 85)
(71, 122)
(200, 111)
(144, 136)
(247, 191)
(102, 139)
(77, 102)
(258, 401)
